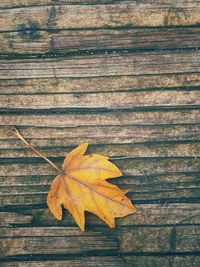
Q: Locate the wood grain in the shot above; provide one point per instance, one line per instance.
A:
(100, 84)
(147, 214)
(99, 40)
(19, 3)
(161, 239)
(102, 101)
(148, 179)
(46, 240)
(164, 261)
(183, 149)
(9, 218)
(132, 166)
(167, 13)
(103, 65)
(115, 118)
(123, 76)
(107, 261)
(55, 138)
(31, 3)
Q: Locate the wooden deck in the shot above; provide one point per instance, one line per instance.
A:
(124, 76)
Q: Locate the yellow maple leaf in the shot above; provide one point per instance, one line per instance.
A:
(83, 187)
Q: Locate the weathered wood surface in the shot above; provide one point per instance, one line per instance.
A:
(126, 13)
(45, 240)
(90, 118)
(124, 76)
(164, 261)
(169, 214)
(97, 100)
(110, 261)
(33, 41)
(100, 84)
(103, 65)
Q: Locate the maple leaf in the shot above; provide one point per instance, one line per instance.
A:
(83, 187)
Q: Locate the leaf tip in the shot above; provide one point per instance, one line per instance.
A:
(113, 225)
(133, 209)
(84, 145)
(82, 228)
(118, 173)
(127, 191)
(81, 224)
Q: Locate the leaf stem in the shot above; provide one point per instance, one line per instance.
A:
(18, 134)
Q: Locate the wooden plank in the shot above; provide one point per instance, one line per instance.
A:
(46, 240)
(20, 185)
(99, 84)
(121, 100)
(98, 40)
(115, 151)
(192, 235)
(53, 240)
(160, 62)
(98, 261)
(164, 261)
(175, 239)
(97, 119)
(29, 183)
(58, 138)
(147, 214)
(159, 88)
(139, 261)
(167, 13)
(9, 218)
(31, 3)
(129, 166)
(19, 3)
(30, 195)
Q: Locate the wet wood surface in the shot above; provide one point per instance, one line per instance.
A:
(123, 76)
